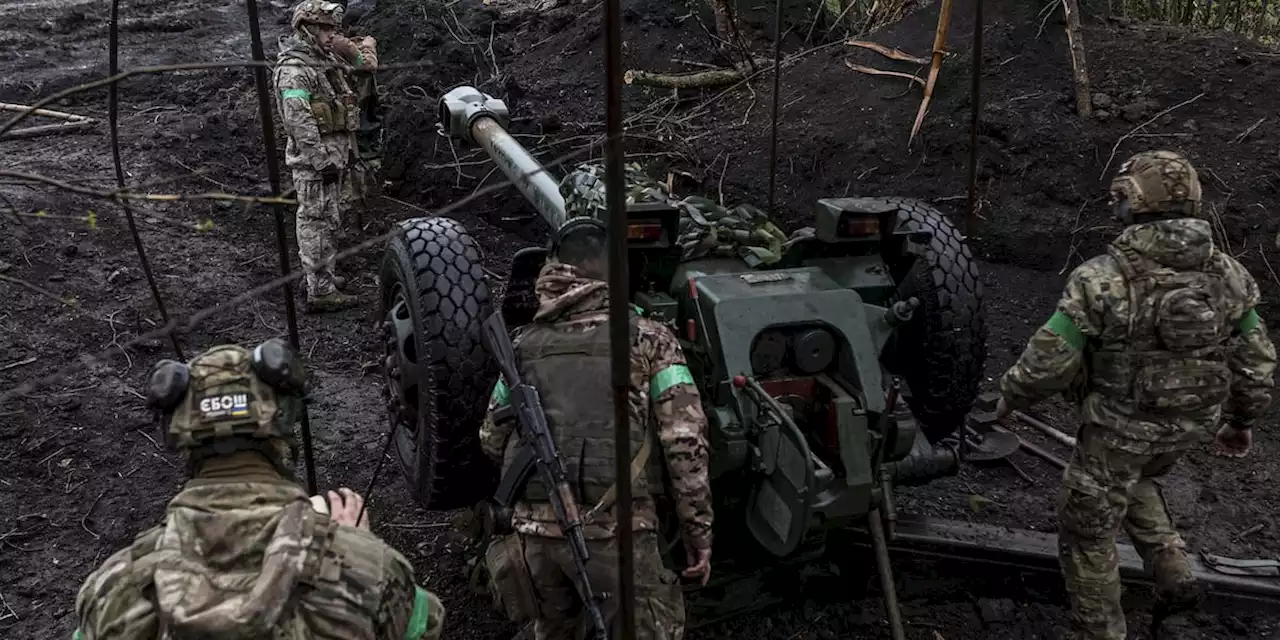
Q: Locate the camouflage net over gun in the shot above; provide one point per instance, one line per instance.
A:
(706, 228)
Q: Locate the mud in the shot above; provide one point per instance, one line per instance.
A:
(80, 468)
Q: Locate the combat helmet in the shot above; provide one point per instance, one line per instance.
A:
(318, 12)
(229, 394)
(1158, 183)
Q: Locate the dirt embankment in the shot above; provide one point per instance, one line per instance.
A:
(80, 475)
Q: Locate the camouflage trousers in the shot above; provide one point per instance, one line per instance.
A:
(659, 599)
(1105, 489)
(317, 223)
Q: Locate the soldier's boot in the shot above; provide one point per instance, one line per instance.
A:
(1177, 590)
(336, 301)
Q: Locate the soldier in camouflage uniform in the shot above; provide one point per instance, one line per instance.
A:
(242, 552)
(564, 353)
(1156, 342)
(319, 113)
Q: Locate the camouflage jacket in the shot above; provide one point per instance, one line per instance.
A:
(243, 554)
(675, 408)
(317, 107)
(1095, 313)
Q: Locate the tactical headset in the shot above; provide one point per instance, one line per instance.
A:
(274, 362)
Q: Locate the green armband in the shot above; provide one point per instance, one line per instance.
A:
(420, 617)
(501, 395)
(667, 378)
(1249, 321)
(295, 93)
(78, 635)
(1062, 326)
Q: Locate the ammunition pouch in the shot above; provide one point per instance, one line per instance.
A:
(510, 584)
(335, 116)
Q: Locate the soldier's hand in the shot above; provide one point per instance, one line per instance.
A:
(369, 41)
(1233, 442)
(344, 47)
(701, 568)
(1003, 410)
(345, 506)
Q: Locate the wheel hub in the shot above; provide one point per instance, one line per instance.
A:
(400, 364)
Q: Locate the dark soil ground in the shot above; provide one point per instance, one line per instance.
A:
(80, 470)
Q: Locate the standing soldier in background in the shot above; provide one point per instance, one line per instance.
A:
(564, 353)
(242, 552)
(1155, 342)
(363, 178)
(319, 112)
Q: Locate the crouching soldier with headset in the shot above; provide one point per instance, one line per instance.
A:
(242, 552)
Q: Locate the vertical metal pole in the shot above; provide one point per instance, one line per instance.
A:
(971, 219)
(619, 314)
(113, 111)
(876, 526)
(273, 175)
(773, 124)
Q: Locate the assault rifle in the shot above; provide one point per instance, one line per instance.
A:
(531, 424)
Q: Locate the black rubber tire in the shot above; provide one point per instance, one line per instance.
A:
(941, 351)
(436, 266)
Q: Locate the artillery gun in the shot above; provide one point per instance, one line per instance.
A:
(798, 362)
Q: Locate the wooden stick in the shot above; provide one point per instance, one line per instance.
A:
(47, 129)
(713, 78)
(1084, 103)
(7, 106)
(939, 49)
(877, 72)
(895, 54)
(1045, 428)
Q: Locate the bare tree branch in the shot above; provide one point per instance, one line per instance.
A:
(119, 194)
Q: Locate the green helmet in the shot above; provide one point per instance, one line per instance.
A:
(228, 392)
(318, 12)
(1159, 182)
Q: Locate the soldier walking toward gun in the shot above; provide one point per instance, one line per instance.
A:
(565, 355)
(242, 552)
(1155, 342)
(320, 116)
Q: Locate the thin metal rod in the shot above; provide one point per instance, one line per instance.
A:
(876, 527)
(273, 175)
(971, 218)
(377, 470)
(113, 110)
(773, 124)
(619, 316)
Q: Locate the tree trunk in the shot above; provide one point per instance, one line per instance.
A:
(1084, 105)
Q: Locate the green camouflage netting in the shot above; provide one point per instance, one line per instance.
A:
(706, 228)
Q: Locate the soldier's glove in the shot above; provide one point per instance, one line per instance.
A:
(330, 174)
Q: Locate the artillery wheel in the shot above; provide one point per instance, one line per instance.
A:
(438, 374)
(946, 340)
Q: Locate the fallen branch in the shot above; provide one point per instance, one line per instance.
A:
(895, 54)
(48, 129)
(48, 113)
(939, 44)
(126, 195)
(1240, 138)
(71, 302)
(877, 72)
(20, 363)
(712, 78)
(1138, 128)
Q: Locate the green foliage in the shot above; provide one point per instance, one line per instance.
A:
(1258, 19)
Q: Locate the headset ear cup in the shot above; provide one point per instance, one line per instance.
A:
(167, 385)
(275, 363)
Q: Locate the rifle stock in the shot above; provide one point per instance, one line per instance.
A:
(531, 423)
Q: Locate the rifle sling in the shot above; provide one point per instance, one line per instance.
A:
(637, 467)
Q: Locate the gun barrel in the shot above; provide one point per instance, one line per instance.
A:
(478, 118)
